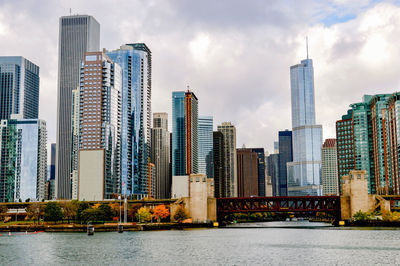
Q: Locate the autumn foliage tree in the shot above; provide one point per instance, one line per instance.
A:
(70, 209)
(34, 211)
(180, 214)
(144, 214)
(160, 212)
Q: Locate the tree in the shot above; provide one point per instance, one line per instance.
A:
(53, 212)
(360, 216)
(105, 212)
(34, 211)
(180, 214)
(143, 214)
(3, 211)
(70, 209)
(160, 212)
(132, 211)
(91, 214)
(82, 205)
(116, 208)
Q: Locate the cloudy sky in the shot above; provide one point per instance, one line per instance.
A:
(234, 54)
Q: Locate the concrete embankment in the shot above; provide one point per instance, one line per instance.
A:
(99, 227)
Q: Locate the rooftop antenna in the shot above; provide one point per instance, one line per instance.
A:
(188, 88)
(307, 45)
(70, 11)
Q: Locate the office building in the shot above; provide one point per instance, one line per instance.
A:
(160, 155)
(330, 182)
(304, 173)
(51, 189)
(135, 60)
(260, 170)
(75, 142)
(205, 143)
(23, 159)
(218, 165)
(247, 173)
(285, 156)
(345, 145)
(371, 141)
(230, 165)
(273, 172)
(19, 87)
(99, 127)
(77, 34)
(185, 133)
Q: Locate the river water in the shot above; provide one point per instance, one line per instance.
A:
(274, 243)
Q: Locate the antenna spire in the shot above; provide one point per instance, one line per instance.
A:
(307, 45)
(70, 11)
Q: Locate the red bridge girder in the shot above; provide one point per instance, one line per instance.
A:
(328, 204)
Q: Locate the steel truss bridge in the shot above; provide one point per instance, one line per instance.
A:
(302, 205)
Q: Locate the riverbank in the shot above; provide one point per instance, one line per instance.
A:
(100, 227)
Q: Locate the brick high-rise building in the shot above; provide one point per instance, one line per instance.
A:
(247, 173)
(99, 127)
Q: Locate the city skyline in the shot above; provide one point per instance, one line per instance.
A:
(345, 23)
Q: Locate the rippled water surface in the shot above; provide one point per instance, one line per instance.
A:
(276, 243)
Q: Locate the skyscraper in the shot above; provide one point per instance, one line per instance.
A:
(285, 156)
(19, 87)
(160, 155)
(191, 134)
(330, 182)
(77, 35)
(219, 165)
(185, 133)
(229, 132)
(23, 159)
(205, 142)
(304, 177)
(273, 172)
(99, 127)
(260, 170)
(247, 173)
(367, 140)
(345, 145)
(135, 61)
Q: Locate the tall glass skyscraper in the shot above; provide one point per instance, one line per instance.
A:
(206, 146)
(77, 34)
(185, 133)
(135, 61)
(19, 87)
(304, 173)
(23, 159)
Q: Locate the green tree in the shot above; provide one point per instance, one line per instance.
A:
(144, 214)
(82, 205)
(34, 211)
(53, 212)
(70, 209)
(106, 212)
(360, 216)
(180, 214)
(91, 214)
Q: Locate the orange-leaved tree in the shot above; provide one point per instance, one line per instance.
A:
(160, 212)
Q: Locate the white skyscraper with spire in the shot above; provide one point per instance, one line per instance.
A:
(304, 173)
